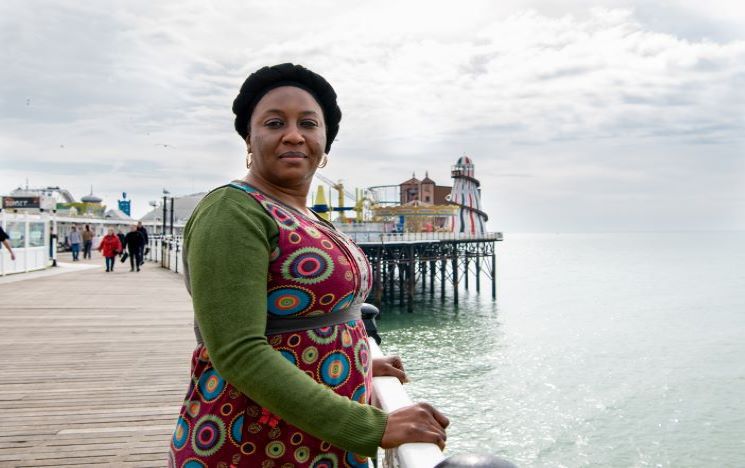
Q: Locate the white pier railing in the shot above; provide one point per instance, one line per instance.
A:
(389, 395)
(402, 237)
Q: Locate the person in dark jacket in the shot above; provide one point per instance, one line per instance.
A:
(141, 229)
(134, 242)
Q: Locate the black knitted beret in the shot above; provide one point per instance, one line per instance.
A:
(287, 74)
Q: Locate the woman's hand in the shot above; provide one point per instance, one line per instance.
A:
(391, 366)
(416, 423)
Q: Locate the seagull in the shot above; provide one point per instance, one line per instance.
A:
(164, 145)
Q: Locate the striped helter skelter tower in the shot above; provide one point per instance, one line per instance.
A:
(470, 218)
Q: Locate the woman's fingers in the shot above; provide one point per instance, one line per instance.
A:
(441, 419)
(415, 423)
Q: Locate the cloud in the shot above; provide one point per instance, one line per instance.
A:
(513, 84)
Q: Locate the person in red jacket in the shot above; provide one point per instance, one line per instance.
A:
(110, 246)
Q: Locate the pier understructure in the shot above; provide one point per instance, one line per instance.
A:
(406, 263)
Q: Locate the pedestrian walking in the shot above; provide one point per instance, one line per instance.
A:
(87, 242)
(110, 247)
(141, 229)
(4, 241)
(133, 241)
(75, 240)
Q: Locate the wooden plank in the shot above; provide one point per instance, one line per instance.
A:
(95, 367)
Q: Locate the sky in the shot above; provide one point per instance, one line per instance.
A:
(579, 116)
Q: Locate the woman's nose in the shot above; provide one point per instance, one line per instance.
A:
(293, 136)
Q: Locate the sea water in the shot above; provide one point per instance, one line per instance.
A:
(601, 350)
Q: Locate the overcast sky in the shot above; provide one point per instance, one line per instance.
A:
(579, 116)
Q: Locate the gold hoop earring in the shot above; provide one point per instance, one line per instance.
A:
(249, 160)
(324, 161)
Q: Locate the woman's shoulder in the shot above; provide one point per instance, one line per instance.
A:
(228, 204)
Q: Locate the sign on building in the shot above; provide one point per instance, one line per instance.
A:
(21, 203)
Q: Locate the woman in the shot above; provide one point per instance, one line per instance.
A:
(110, 247)
(281, 375)
(87, 242)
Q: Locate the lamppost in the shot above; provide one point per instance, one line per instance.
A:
(165, 192)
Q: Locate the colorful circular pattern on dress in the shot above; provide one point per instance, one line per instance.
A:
(327, 299)
(342, 259)
(296, 438)
(310, 355)
(208, 435)
(324, 335)
(247, 448)
(346, 338)
(327, 244)
(284, 219)
(236, 430)
(302, 454)
(294, 238)
(275, 449)
(181, 434)
(344, 302)
(325, 460)
(362, 356)
(193, 463)
(211, 385)
(289, 355)
(307, 265)
(226, 409)
(312, 231)
(254, 428)
(359, 394)
(192, 408)
(289, 301)
(204, 355)
(334, 369)
(348, 275)
(356, 461)
(325, 446)
(294, 340)
(275, 254)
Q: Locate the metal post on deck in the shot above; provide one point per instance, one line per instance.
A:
(172, 199)
(164, 215)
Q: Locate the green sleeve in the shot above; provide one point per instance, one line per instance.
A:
(228, 240)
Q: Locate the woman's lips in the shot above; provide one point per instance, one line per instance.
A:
(292, 155)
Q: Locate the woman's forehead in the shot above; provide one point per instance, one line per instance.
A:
(288, 98)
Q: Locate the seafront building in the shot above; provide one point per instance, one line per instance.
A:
(39, 220)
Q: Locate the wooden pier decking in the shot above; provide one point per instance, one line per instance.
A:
(95, 366)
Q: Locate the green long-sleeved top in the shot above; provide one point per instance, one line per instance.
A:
(227, 243)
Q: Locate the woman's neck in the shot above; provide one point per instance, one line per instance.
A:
(294, 197)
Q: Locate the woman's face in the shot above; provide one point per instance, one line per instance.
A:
(287, 136)
(111, 232)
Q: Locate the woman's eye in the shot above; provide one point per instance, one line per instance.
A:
(273, 123)
(309, 123)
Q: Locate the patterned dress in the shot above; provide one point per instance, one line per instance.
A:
(314, 270)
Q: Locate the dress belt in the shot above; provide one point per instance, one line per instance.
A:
(277, 325)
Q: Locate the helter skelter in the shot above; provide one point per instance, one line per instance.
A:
(466, 194)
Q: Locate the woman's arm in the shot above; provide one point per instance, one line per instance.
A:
(228, 244)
